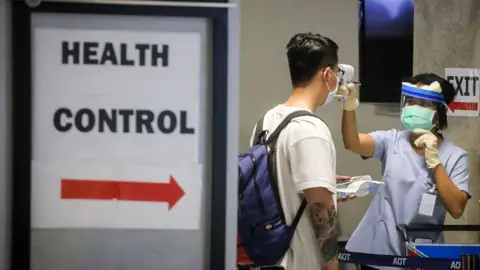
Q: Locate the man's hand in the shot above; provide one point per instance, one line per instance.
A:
(342, 179)
(346, 199)
(331, 265)
(429, 142)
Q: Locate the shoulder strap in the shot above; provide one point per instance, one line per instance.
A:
(298, 215)
(258, 131)
(273, 137)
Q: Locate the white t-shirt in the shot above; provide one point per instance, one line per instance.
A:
(306, 158)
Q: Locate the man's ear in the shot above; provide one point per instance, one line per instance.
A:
(326, 73)
(322, 75)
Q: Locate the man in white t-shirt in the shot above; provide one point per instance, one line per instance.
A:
(306, 156)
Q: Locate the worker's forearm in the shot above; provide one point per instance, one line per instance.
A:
(349, 129)
(324, 218)
(450, 195)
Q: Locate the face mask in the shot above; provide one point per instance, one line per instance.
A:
(332, 94)
(415, 116)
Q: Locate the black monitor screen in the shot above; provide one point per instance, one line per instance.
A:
(386, 48)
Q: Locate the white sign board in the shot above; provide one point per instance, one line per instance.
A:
(466, 82)
(112, 109)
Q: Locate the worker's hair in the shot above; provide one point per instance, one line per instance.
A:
(307, 54)
(448, 92)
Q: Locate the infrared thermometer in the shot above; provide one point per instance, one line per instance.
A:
(348, 74)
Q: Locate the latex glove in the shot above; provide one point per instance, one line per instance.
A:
(429, 142)
(347, 94)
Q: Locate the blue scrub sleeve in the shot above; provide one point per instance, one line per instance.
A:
(382, 140)
(460, 174)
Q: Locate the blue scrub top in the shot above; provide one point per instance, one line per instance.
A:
(406, 179)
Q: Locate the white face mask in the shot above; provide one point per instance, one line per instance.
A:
(332, 94)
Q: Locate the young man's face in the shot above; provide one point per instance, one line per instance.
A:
(329, 78)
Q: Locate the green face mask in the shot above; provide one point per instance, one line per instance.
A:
(415, 116)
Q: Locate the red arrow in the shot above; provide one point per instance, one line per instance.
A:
(89, 189)
(463, 106)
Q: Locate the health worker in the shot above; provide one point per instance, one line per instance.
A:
(425, 174)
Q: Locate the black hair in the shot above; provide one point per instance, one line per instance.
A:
(307, 54)
(448, 92)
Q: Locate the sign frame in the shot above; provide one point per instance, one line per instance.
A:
(20, 252)
(464, 105)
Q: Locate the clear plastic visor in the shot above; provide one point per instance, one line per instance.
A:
(412, 95)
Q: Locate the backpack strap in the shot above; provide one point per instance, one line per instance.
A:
(258, 131)
(298, 215)
(272, 140)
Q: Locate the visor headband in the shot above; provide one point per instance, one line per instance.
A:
(416, 92)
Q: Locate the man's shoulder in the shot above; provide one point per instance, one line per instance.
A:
(311, 121)
(299, 128)
(309, 127)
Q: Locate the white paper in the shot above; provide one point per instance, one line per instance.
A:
(353, 179)
(358, 185)
(427, 205)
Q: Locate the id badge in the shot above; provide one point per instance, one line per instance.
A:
(427, 205)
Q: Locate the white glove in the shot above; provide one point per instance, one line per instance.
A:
(347, 94)
(429, 142)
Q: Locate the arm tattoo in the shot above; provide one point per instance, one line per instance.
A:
(325, 227)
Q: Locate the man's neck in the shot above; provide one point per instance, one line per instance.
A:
(303, 98)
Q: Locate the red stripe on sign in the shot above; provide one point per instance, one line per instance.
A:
(463, 106)
(90, 189)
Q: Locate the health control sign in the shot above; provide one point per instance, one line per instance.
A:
(116, 129)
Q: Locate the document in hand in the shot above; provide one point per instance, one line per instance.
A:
(359, 186)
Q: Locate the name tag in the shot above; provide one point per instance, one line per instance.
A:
(427, 205)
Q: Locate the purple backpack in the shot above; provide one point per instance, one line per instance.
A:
(263, 236)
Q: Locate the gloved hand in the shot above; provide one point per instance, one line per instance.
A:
(347, 94)
(429, 142)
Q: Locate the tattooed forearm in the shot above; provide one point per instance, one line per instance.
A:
(325, 227)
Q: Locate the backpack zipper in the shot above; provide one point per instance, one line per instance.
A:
(274, 178)
(265, 220)
(254, 225)
(257, 188)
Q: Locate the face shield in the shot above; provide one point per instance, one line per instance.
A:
(419, 105)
